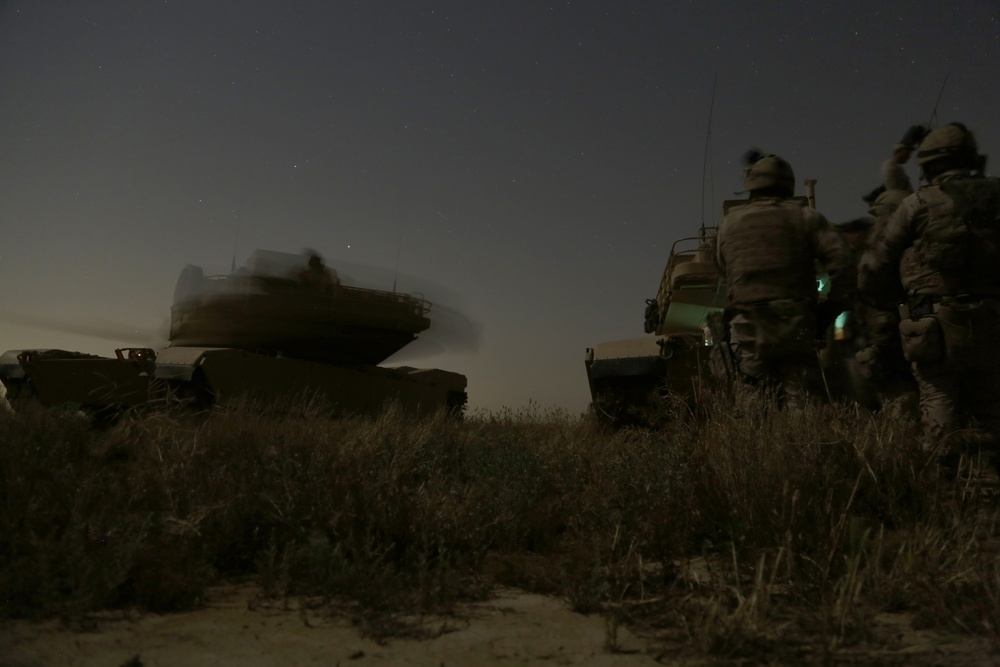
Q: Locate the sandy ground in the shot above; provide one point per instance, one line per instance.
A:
(514, 628)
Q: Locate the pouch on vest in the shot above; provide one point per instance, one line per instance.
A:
(943, 242)
(922, 340)
(959, 322)
(784, 328)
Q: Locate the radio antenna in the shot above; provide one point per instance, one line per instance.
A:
(930, 123)
(399, 250)
(239, 225)
(395, 273)
(704, 164)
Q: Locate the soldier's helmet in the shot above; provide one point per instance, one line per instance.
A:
(887, 202)
(770, 171)
(953, 139)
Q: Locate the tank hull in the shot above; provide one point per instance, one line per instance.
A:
(225, 375)
(222, 376)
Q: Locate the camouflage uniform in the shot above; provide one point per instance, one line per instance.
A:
(944, 240)
(883, 371)
(894, 176)
(767, 249)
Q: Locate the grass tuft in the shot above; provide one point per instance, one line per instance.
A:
(742, 529)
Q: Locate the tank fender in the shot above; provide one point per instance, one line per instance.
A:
(632, 357)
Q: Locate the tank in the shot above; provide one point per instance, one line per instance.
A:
(276, 327)
(672, 359)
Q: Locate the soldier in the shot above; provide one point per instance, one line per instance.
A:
(767, 250)
(944, 243)
(883, 372)
(856, 232)
(847, 333)
(318, 275)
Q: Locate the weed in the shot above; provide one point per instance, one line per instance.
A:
(744, 528)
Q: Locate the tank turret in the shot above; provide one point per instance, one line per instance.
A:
(301, 314)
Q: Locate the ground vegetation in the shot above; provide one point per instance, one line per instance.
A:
(728, 529)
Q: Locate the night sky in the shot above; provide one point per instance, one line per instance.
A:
(524, 164)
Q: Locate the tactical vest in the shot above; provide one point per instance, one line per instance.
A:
(767, 252)
(960, 238)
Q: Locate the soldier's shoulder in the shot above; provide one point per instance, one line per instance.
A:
(734, 210)
(926, 192)
(733, 205)
(984, 189)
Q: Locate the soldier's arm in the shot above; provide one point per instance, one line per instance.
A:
(894, 177)
(878, 275)
(885, 174)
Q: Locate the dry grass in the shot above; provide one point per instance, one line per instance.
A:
(735, 528)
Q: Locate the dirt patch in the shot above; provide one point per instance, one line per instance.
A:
(237, 627)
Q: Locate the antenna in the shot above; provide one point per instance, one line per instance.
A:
(930, 123)
(395, 273)
(239, 221)
(399, 250)
(704, 164)
(232, 265)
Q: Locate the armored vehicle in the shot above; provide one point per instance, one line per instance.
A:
(672, 359)
(274, 328)
(625, 375)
